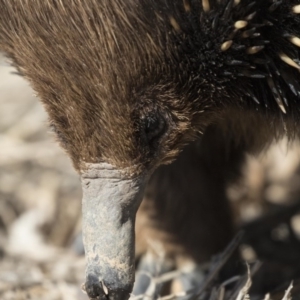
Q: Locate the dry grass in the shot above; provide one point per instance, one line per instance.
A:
(39, 202)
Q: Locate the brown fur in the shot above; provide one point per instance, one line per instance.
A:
(185, 205)
(100, 67)
(86, 72)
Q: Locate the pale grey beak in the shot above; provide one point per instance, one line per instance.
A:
(110, 203)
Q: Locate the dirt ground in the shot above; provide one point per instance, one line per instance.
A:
(40, 250)
(40, 202)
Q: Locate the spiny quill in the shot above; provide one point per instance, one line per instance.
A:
(257, 39)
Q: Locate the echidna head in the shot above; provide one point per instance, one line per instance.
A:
(127, 84)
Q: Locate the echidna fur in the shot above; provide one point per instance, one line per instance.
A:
(104, 68)
(258, 40)
(193, 58)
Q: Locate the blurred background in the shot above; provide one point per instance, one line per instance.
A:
(40, 202)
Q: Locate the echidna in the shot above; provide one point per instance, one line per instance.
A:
(127, 84)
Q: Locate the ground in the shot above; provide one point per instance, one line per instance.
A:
(40, 204)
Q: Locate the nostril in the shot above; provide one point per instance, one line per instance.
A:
(97, 289)
(94, 288)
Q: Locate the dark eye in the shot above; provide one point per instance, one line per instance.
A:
(154, 126)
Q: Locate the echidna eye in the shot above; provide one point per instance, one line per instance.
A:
(154, 126)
